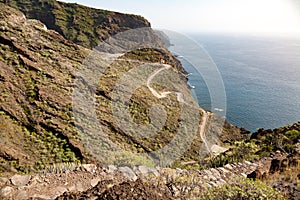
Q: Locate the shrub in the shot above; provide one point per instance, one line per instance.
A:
(293, 135)
(242, 189)
(131, 159)
(242, 151)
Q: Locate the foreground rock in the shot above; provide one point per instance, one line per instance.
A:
(112, 182)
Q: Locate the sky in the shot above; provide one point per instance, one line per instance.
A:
(229, 16)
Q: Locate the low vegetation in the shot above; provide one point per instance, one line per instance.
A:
(263, 143)
(83, 25)
(242, 189)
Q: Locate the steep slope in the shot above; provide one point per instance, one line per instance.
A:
(38, 70)
(82, 25)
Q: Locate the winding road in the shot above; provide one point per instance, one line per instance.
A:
(202, 127)
(205, 114)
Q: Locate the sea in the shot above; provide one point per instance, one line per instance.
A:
(260, 75)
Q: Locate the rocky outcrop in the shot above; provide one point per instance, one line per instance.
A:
(91, 181)
(82, 25)
(71, 181)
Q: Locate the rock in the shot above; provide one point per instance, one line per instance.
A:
(248, 163)
(19, 180)
(255, 164)
(76, 188)
(179, 171)
(35, 180)
(90, 168)
(111, 169)
(229, 167)
(6, 192)
(210, 175)
(175, 192)
(59, 191)
(22, 195)
(213, 184)
(207, 172)
(128, 173)
(216, 173)
(225, 171)
(144, 171)
(41, 196)
(222, 181)
(212, 178)
(95, 181)
(205, 177)
(3, 181)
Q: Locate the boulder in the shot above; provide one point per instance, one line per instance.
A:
(6, 192)
(128, 173)
(19, 180)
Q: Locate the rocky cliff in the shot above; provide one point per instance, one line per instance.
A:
(82, 25)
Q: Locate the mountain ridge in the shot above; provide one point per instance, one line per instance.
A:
(82, 25)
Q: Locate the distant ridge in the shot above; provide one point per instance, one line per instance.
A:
(82, 25)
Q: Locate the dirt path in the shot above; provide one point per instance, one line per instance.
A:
(215, 149)
(202, 127)
(150, 78)
(205, 115)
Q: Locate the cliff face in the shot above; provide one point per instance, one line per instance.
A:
(82, 25)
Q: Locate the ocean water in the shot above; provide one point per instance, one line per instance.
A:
(261, 76)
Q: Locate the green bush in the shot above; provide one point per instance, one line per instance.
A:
(293, 135)
(242, 189)
(131, 159)
(241, 151)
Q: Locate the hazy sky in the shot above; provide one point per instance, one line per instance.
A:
(238, 16)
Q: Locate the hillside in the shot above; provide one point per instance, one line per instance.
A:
(38, 69)
(47, 94)
(82, 25)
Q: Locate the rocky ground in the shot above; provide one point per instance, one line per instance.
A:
(89, 181)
